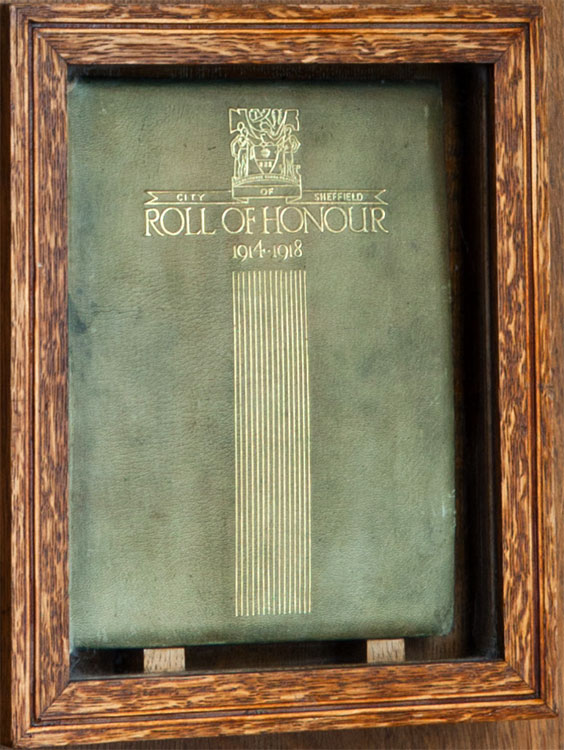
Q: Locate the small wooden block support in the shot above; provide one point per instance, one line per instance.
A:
(164, 660)
(385, 651)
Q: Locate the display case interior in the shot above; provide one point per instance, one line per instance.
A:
(456, 144)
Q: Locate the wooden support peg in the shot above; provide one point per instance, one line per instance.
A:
(385, 651)
(163, 660)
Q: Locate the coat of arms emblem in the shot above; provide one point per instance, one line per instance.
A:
(264, 148)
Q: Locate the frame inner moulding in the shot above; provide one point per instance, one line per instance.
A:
(496, 663)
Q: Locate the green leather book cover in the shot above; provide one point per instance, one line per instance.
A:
(260, 363)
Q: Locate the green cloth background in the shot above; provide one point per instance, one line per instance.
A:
(151, 369)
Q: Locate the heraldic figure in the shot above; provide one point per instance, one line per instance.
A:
(263, 149)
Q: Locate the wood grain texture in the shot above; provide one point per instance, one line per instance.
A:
(16, 608)
(298, 45)
(525, 735)
(530, 391)
(49, 249)
(284, 689)
(249, 724)
(516, 398)
(546, 363)
(5, 364)
(222, 13)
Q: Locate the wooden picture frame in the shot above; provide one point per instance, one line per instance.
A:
(41, 705)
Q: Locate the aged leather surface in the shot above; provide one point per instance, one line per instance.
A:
(152, 466)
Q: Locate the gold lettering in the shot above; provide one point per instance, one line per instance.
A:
(151, 222)
(364, 214)
(188, 214)
(340, 212)
(176, 212)
(266, 219)
(351, 214)
(317, 222)
(203, 222)
(239, 215)
(250, 220)
(288, 227)
(378, 215)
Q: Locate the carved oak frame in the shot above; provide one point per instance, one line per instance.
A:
(41, 705)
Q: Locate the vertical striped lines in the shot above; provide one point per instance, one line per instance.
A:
(272, 443)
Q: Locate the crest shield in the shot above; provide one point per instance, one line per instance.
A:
(263, 147)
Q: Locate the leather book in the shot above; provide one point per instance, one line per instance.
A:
(261, 409)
